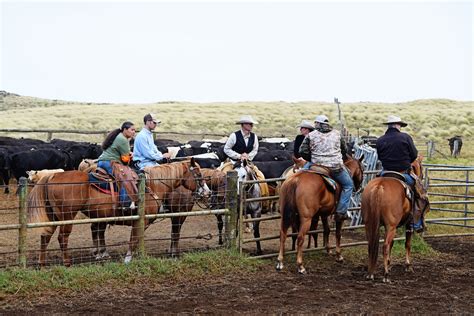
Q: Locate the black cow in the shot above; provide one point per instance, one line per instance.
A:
(5, 168)
(273, 169)
(208, 162)
(272, 155)
(273, 146)
(38, 160)
(452, 141)
(10, 141)
(80, 151)
(185, 152)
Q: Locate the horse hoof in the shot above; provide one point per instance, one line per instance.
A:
(302, 271)
(127, 259)
(386, 280)
(248, 230)
(409, 268)
(102, 255)
(279, 266)
(339, 259)
(369, 277)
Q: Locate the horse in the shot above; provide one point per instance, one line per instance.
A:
(183, 200)
(384, 201)
(303, 196)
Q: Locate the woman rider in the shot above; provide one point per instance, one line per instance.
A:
(116, 147)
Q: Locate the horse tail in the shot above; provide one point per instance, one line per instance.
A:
(37, 201)
(372, 210)
(288, 207)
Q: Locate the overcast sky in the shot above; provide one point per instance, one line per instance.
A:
(157, 51)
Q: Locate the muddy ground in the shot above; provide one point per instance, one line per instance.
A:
(440, 284)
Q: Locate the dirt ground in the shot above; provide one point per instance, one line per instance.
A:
(442, 284)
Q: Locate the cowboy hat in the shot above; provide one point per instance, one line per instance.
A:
(306, 124)
(321, 119)
(246, 119)
(392, 119)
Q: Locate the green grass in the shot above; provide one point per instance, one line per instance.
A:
(79, 278)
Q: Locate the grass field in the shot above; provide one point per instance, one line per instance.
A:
(435, 119)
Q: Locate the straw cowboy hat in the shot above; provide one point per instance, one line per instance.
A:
(392, 119)
(246, 119)
(306, 124)
(321, 119)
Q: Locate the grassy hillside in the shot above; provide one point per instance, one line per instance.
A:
(436, 119)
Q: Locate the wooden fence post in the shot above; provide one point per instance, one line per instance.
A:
(231, 203)
(22, 218)
(49, 137)
(141, 213)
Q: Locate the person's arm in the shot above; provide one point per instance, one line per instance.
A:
(412, 149)
(305, 150)
(254, 151)
(228, 147)
(147, 150)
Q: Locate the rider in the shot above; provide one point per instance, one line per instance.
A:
(397, 152)
(116, 147)
(325, 147)
(242, 144)
(305, 128)
(145, 152)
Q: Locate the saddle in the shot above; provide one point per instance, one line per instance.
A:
(325, 173)
(398, 176)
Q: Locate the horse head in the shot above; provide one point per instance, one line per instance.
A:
(356, 169)
(193, 180)
(417, 167)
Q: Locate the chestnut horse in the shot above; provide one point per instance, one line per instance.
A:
(305, 195)
(384, 202)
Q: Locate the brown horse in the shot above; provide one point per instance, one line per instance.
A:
(60, 196)
(384, 202)
(182, 200)
(305, 195)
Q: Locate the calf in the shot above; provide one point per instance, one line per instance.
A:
(35, 175)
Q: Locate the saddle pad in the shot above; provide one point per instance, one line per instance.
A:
(99, 183)
(394, 174)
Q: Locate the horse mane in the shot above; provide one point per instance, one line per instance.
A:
(168, 173)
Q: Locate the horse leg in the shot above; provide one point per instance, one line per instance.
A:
(294, 230)
(314, 226)
(220, 226)
(256, 231)
(408, 235)
(304, 227)
(176, 224)
(63, 238)
(248, 226)
(132, 245)
(390, 234)
(95, 238)
(339, 257)
(102, 250)
(281, 253)
(45, 239)
(326, 232)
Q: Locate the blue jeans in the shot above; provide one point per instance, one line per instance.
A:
(344, 179)
(409, 179)
(123, 196)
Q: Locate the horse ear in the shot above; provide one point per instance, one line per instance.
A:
(361, 158)
(193, 162)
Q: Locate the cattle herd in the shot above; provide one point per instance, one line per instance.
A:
(18, 156)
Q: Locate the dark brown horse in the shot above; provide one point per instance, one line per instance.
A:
(305, 195)
(182, 200)
(384, 202)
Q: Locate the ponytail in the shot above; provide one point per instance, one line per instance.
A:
(113, 134)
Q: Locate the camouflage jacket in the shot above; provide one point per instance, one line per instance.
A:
(324, 147)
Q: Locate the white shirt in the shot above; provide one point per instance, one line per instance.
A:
(231, 142)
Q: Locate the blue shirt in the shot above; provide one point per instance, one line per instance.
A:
(145, 151)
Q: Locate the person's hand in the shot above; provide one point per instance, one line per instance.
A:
(131, 155)
(167, 155)
(244, 156)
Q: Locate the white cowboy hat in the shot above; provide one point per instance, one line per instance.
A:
(321, 119)
(306, 124)
(246, 119)
(392, 119)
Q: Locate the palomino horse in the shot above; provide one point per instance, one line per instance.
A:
(305, 195)
(384, 202)
(60, 196)
(182, 200)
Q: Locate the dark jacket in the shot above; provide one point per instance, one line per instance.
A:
(296, 149)
(396, 150)
(240, 146)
